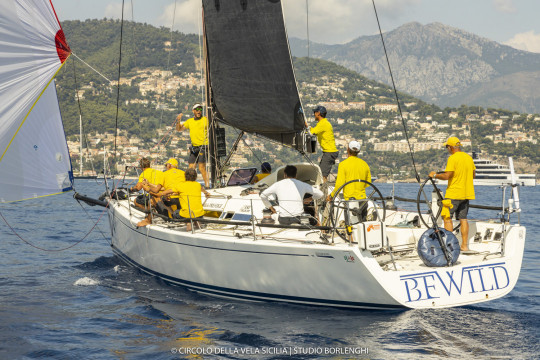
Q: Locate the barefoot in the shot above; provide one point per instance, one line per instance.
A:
(144, 223)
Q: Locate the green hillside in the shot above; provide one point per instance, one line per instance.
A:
(161, 78)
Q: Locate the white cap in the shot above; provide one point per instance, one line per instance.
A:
(354, 145)
(196, 106)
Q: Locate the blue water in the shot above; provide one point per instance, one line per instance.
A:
(84, 303)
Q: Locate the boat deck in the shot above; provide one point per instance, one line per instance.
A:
(402, 238)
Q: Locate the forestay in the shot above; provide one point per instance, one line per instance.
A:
(250, 69)
(34, 158)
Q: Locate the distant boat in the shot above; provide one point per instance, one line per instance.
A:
(491, 173)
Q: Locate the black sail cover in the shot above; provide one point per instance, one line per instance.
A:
(250, 69)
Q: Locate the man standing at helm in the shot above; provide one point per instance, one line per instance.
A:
(198, 132)
(352, 168)
(460, 172)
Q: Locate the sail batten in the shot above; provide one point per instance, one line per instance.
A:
(252, 81)
(34, 158)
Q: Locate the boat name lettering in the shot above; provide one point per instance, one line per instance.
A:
(245, 208)
(213, 205)
(471, 279)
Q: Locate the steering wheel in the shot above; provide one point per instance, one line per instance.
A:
(424, 205)
(372, 213)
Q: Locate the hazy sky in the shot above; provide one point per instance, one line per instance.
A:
(511, 22)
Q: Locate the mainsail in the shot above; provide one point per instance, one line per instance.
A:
(250, 69)
(34, 158)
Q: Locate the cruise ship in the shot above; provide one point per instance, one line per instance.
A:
(491, 173)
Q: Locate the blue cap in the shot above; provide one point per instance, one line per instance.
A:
(265, 167)
(320, 109)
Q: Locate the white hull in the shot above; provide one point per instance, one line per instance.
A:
(298, 269)
(522, 181)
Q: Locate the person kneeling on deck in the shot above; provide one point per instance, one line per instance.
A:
(149, 179)
(289, 193)
(190, 198)
(172, 177)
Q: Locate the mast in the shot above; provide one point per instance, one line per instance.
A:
(81, 146)
(215, 174)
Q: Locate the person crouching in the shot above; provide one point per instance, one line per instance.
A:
(189, 193)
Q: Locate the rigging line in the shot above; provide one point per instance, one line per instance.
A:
(168, 61)
(52, 250)
(396, 93)
(90, 66)
(168, 134)
(249, 147)
(307, 30)
(203, 83)
(88, 217)
(134, 56)
(133, 36)
(118, 87)
(80, 114)
(88, 155)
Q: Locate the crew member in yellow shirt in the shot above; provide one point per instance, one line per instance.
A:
(460, 172)
(171, 177)
(266, 170)
(190, 198)
(198, 132)
(149, 179)
(352, 168)
(325, 136)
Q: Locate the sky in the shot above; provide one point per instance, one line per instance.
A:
(510, 22)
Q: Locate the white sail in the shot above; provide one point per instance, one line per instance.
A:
(34, 159)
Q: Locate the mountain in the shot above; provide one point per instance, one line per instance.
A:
(441, 64)
(151, 97)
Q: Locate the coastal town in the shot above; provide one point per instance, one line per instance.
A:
(369, 115)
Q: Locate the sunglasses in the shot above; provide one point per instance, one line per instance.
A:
(198, 109)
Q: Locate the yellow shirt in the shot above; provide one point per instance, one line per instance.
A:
(173, 177)
(198, 130)
(353, 168)
(153, 176)
(460, 186)
(325, 135)
(260, 176)
(191, 190)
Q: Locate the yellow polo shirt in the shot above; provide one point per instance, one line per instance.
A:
(460, 186)
(173, 177)
(260, 176)
(325, 135)
(152, 175)
(191, 190)
(353, 168)
(198, 130)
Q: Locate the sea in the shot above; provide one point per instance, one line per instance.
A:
(63, 295)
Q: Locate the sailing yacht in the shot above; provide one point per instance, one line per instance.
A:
(361, 254)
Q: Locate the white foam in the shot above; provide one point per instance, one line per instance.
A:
(122, 288)
(117, 268)
(86, 281)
